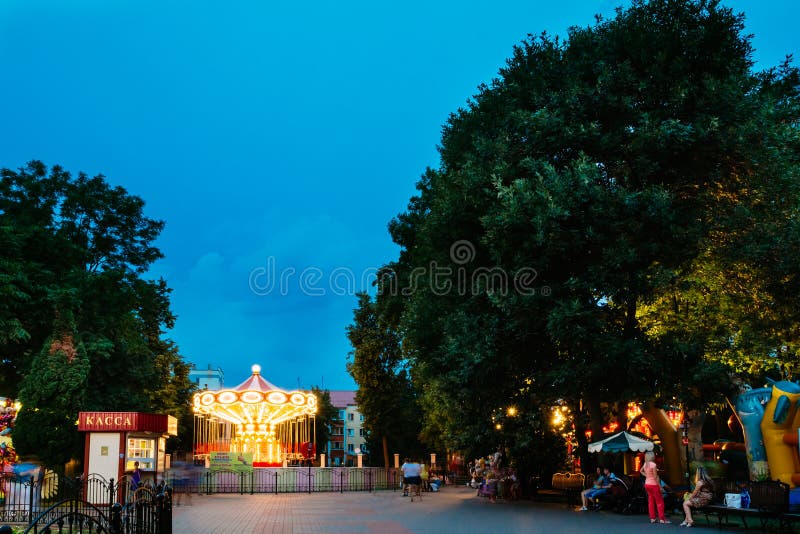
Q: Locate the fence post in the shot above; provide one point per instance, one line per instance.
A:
(341, 481)
(139, 506)
(309, 478)
(116, 518)
(208, 482)
(159, 511)
(30, 502)
(276, 482)
(163, 514)
(252, 480)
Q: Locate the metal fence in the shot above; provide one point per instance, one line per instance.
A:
(95, 504)
(286, 480)
(55, 503)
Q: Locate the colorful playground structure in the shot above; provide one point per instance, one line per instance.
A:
(770, 419)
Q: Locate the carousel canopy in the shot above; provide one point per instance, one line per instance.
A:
(621, 442)
(255, 403)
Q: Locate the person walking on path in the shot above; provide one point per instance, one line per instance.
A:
(403, 469)
(652, 485)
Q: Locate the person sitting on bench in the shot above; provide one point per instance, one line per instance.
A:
(702, 495)
(601, 485)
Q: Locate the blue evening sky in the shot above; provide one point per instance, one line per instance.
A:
(270, 136)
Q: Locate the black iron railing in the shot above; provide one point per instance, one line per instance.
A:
(55, 503)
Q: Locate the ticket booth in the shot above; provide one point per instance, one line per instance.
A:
(115, 440)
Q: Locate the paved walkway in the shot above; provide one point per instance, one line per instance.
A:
(454, 510)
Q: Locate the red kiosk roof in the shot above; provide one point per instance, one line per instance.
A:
(126, 422)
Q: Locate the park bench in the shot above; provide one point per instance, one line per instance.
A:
(569, 485)
(769, 500)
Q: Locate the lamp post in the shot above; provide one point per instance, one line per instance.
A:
(685, 438)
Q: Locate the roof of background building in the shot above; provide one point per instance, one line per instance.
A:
(343, 399)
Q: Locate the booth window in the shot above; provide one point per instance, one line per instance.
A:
(142, 451)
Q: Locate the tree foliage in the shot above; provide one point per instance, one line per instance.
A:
(634, 188)
(326, 413)
(77, 247)
(385, 396)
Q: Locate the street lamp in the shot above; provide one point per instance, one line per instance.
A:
(685, 438)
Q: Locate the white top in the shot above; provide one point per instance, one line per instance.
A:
(412, 470)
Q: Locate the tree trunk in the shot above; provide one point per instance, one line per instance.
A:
(695, 433)
(385, 451)
(622, 416)
(670, 442)
(595, 419)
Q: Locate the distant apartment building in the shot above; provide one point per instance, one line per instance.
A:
(347, 433)
(207, 378)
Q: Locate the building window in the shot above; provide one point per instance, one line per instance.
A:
(341, 414)
(350, 447)
(337, 431)
(337, 445)
(362, 418)
(361, 432)
(350, 432)
(350, 417)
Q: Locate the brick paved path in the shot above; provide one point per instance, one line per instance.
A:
(454, 510)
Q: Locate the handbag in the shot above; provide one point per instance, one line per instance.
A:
(733, 500)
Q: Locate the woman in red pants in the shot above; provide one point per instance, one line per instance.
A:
(653, 488)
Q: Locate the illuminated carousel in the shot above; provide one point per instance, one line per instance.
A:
(275, 425)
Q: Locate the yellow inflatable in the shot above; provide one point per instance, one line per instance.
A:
(781, 418)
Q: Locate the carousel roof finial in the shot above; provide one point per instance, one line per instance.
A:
(256, 369)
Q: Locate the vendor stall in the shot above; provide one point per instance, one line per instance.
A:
(116, 440)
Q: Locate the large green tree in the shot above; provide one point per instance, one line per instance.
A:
(385, 395)
(637, 164)
(77, 247)
(326, 413)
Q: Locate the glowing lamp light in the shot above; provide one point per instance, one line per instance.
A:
(227, 397)
(611, 427)
(676, 417)
(634, 411)
(276, 397)
(512, 411)
(558, 418)
(498, 426)
(256, 369)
